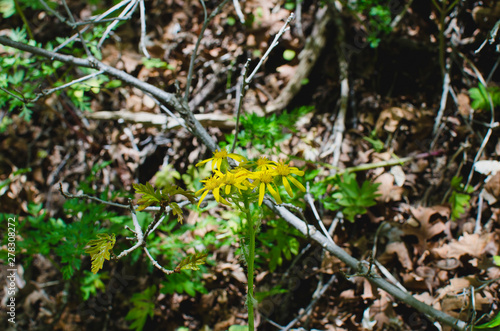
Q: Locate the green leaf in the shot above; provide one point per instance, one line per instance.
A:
(192, 262)
(144, 305)
(496, 259)
(162, 197)
(259, 296)
(238, 328)
(230, 20)
(458, 200)
(7, 8)
(481, 97)
(149, 195)
(289, 54)
(490, 325)
(351, 197)
(99, 250)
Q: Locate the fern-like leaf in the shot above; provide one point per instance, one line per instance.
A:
(163, 197)
(191, 262)
(99, 250)
(149, 195)
(143, 307)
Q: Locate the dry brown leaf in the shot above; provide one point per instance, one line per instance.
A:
(130, 60)
(426, 222)
(390, 118)
(491, 191)
(464, 107)
(397, 249)
(387, 189)
(286, 71)
(474, 245)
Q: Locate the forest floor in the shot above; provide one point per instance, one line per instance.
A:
(435, 235)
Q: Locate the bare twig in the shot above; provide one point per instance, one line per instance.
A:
(240, 95)
(139, 235)
(275, 43)
(168, 99)
(491, 40)
(52, 90)
(492, 123)
(198, 41)
(339, 125)
(86, 196)
(398, 17)
(82, 40)
(362, 269)
(316, 296)
(53, 12)
(142, 43)
(20, 98)
(308, 57)
(444, 98)
(95, 20)
(237, 8)
(126, 13)
(156, 264)
(309, 199)
(298, 19)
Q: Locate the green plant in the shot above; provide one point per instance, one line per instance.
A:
(378, 15)
(99, 250)
(494, 324)
(264, 133)
(348, 196)
(143, 307)
(377, 144)
(244, 188)
(280, 241)
(91, 282)
(481, 97)
(459, 198)
(156, 63)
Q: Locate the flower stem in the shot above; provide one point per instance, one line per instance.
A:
(250, 263)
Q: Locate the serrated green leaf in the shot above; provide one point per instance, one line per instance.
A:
(99, 250)
(144, 306)
(150, 196)
(192, 262)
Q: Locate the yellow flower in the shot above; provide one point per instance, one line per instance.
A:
(286, 172)
(236, 179)
(212, 184)
(263, 179)
(221, 155)
(263, 163)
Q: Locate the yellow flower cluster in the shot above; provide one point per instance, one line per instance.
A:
(266, 175)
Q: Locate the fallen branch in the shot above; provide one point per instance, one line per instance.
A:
(221, 121)
(308, 57)
(361, 269)
(170, 100)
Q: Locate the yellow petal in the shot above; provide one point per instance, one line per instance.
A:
(202, 197)
(217, 163)
(275, 194)
(296, 171)
(287, 187)
(202, 162)
(236, 157)
(216, 194)
(297, 183)
(262, 190)
(199, 191)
